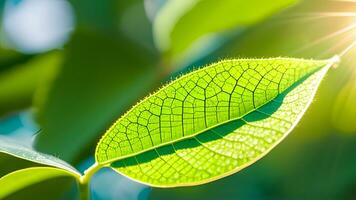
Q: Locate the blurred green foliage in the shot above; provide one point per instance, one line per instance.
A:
(344, 109)
(49, 189)
(10, 163)
(19, 83)
(111, 61)
(81, 103)
(15, 157)
(180, 24)
(30, 177)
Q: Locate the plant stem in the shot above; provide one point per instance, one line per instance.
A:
(84, 187)
(84, 191)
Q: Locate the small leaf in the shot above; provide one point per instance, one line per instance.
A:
(181, 23)
(211, 122)
(21, 179)
(10, 147)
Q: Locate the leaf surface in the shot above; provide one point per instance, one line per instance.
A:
(211, 122)
(10, 147)
(181, 23)
(24, 178)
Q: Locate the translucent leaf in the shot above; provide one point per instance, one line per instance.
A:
(10, 147)
(21, 179)
(180, 23)
(211, 122)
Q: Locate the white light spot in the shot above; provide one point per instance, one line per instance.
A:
(33, 26)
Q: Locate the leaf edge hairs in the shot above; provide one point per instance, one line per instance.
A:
(326, 64)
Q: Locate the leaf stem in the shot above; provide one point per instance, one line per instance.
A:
(84, 191)
(84, 187)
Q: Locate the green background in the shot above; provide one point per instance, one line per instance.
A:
(114, 57)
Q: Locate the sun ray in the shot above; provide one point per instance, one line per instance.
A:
(352, 1)
(308, 16)
(327, 37)
(335, 49)
(347, 49)
(327, 14)
(297, 18)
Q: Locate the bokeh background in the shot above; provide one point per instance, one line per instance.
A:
(69, 68)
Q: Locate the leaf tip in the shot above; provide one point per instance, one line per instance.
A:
(335, 61)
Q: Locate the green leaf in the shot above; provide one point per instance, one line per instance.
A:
(109, 15)
(9, 147)
(10, 163)
(274, 35)
(96, 81)
(10, 58)
(297, 165)
(14, 156)
(211, 122)
(24, 178)
(19, 83)
(181, 23)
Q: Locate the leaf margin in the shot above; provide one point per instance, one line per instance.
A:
(328, 64)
